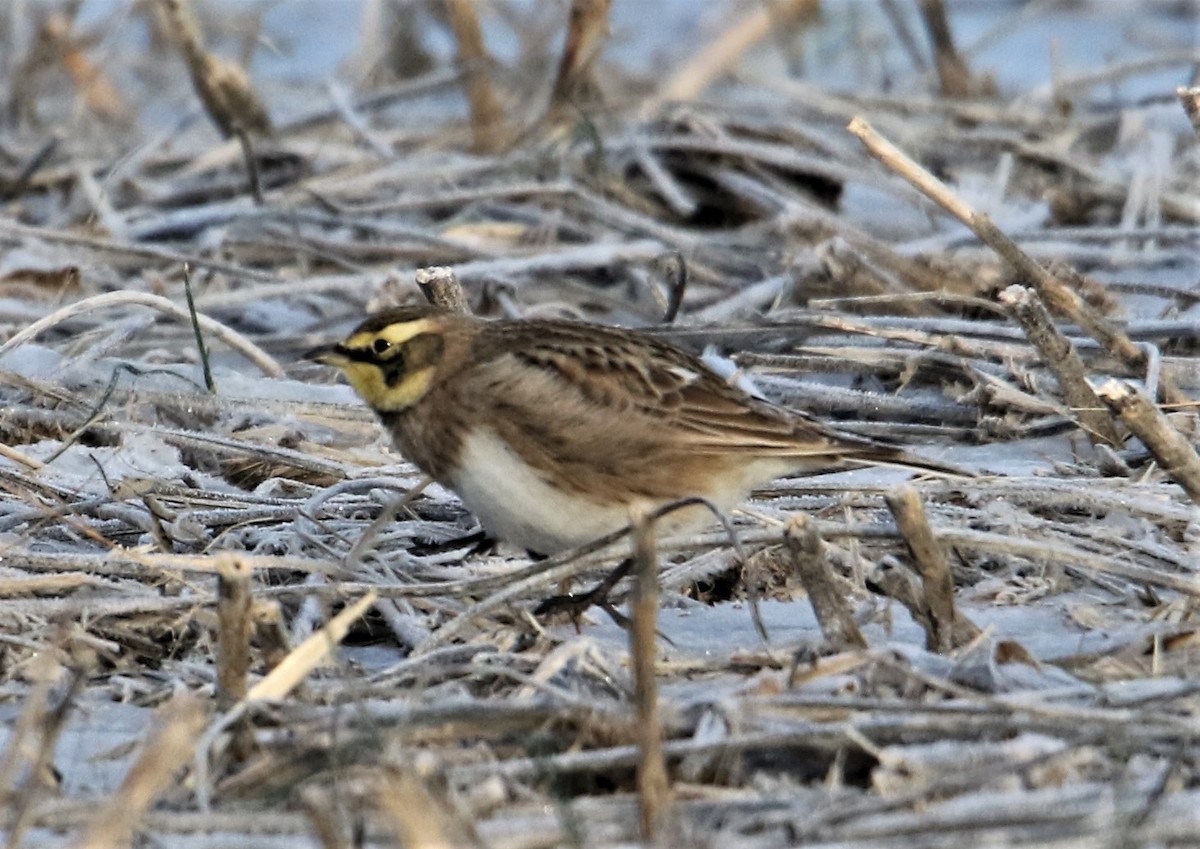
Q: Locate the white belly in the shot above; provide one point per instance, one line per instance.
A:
(513, 503)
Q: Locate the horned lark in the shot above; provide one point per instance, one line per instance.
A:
(550, 431)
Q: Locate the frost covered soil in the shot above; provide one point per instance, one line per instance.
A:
(448, 709)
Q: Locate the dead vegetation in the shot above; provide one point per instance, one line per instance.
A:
(235, 614)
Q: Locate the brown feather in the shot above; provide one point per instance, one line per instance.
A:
(603, 415)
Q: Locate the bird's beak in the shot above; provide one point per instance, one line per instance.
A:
(329, 355)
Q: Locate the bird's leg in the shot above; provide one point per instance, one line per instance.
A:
(476, 543)
(577, 603)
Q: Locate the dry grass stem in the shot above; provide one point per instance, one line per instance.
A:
(1052, 292)
(489, 129)
(201, 348)
(99, 91)
(167, 751)
(653, 785)
(716, 58)
(31, 750)
(16, 456)
(932, 563)
(536, 578)
(953, 75)
(260, 358)
(270, 633)
(809, 560)
(440, 286)
(905, 586)
(1063, 360)
(420, 817)
(1189, 98)
(223, 87)
(159, 539)
(309, 654)
(322, 809)
(587, 29)
(234, 629)
(1173, 451)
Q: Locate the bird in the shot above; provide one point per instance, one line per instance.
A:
(552, 431)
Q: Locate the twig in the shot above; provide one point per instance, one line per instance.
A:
(345, 108)
(1112, 72)
(1063, 360)
(419, 817)
(488, 129)
(1189, 97)
(1154, 369)
(38, 765)
(280, 681)
(100, 404)
(932, 564)
(364, 543)
(223, 87)
(562, 260)
(234, 628)
(16, 456)
(271, 633)
(191, 305)
(558, 568)
(168, 750)
(652, 781)
(749, 299)
(19, 746)
(673, 193)
(1055, 295)
(1170, 448)
(309, 654)
(587, 29)
(322, 807)
(900, 583)
(439, 284)
(251, 162)
(16, 187)
(810, 562)
(714, 59)
(953, 76)
(675, 268)
(93, 81)
(895, 16)
(107, 218)
(260, 358)
(15, 232)
(375, 100)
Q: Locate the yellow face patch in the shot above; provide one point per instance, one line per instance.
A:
(369, 381)
(392, 367)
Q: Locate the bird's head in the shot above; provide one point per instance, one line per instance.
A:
(391, 358)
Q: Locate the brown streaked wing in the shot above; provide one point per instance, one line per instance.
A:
(692, 407)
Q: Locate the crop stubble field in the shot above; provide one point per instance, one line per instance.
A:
(230, 615)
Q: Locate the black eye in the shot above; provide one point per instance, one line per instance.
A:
(381, 345)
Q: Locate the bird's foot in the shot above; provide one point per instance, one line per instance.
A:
(576, 604)
(475, 543)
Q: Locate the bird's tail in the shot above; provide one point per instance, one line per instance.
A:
(890, 455)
